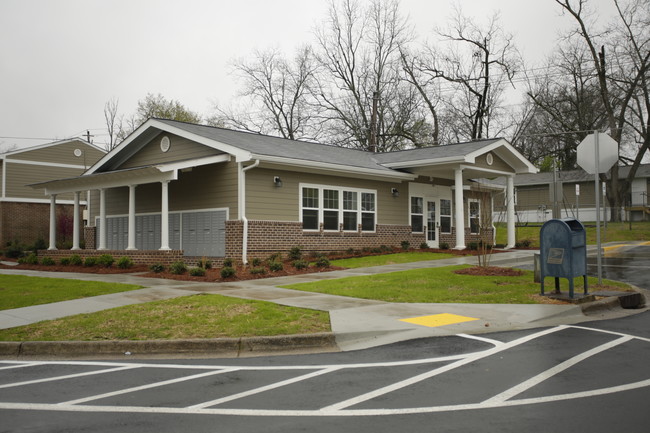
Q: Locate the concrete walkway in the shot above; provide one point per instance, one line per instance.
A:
(356, 323)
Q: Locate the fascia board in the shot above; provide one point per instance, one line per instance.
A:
(108, 180)
(194, 162)
(527, 166)
(425, 162)
(240, 155)
(334, 167)
(486, 170)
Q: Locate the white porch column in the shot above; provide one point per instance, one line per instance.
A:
(164, 216)
(102, 219)
(460, 210)
(52, 222)
(75, 219)
(131, 241)
(510, 211)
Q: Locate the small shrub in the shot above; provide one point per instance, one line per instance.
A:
(444, 246)
(256, 262)
(424, 246)
(40, 244)
(322, 262)
(258, 271)
(295, 253)
(125, 262)
(178, 268)
(205, 263)
(227, 272)
(406, 245)
(275, 266)
(376, 251)
(14, 250)
(90, 262)
(197, 272)
(31, 259)
(227, 262)
(157, 268)
(48, 261)
(300, 264)
(76, 260)
(105, 260)
(350, 251)
(65, 261)
(275, 257)
(472, 246)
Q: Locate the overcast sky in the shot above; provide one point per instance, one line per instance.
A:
(61, 60)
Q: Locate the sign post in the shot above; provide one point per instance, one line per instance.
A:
(595, 154)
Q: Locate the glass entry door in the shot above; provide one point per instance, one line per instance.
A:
(432, 224)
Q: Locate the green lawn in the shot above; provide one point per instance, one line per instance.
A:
(624, 231)
(18, 291)
(389, 259)
(197, 316)
(440, 285)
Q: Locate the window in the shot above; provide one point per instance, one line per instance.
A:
(417, 215)
(474, 216)
(310, 208)
(333, 207)
(445, 216)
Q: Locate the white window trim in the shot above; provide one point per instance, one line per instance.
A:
(420, 214)
(340, 189)
(469, 215)
(450, 215)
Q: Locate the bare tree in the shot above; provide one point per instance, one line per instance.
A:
(363, 99)
(113, 122)
(621, 59)
(278, 95)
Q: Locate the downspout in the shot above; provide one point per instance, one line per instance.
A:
(242, 208)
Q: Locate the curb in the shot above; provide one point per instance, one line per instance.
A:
(218, 347)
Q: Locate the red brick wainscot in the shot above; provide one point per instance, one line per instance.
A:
(139, 257)
(268, 237)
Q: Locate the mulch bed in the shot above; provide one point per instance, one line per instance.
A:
(490, 271)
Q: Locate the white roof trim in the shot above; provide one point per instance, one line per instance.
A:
(239, 154)
(54, 143)
(334, 167)
(528, 167)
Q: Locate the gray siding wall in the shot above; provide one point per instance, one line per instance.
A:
(205, 187)
(63, 154)
(20, 175)
(267, 202)
(180, 149)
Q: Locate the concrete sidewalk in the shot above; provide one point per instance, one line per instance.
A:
(356, 323)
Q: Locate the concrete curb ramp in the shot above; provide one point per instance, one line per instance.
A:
(219, 347)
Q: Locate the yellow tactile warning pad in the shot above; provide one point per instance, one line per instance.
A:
(438, 320)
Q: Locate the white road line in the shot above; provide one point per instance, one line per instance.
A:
(523, 386)
(148, 386)
(321, 412)
(69, 376)
(9, 367)
(495, 343)
(604, 331)
(415, 379)
(262, 389)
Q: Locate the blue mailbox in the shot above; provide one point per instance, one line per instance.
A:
(563, 252)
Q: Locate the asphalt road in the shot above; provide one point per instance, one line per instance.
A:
(592, 377)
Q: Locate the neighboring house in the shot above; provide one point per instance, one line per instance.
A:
(25, 212)
(196, 190)
(575, 196)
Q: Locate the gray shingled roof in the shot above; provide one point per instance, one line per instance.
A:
(281, 147)
(309, 151)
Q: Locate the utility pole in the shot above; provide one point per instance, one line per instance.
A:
(373, 123)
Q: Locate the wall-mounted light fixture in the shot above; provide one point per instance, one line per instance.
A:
(277, 181)
(394, 192)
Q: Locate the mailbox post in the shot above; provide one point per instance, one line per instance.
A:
(563, 252)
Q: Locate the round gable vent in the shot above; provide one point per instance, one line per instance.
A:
(165, 144)
(489, 159)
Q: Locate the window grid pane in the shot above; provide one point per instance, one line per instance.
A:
(416, 205)
(310, 197)
(330, 199)
(349, 200)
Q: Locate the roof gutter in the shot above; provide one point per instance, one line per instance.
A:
(241, 205)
